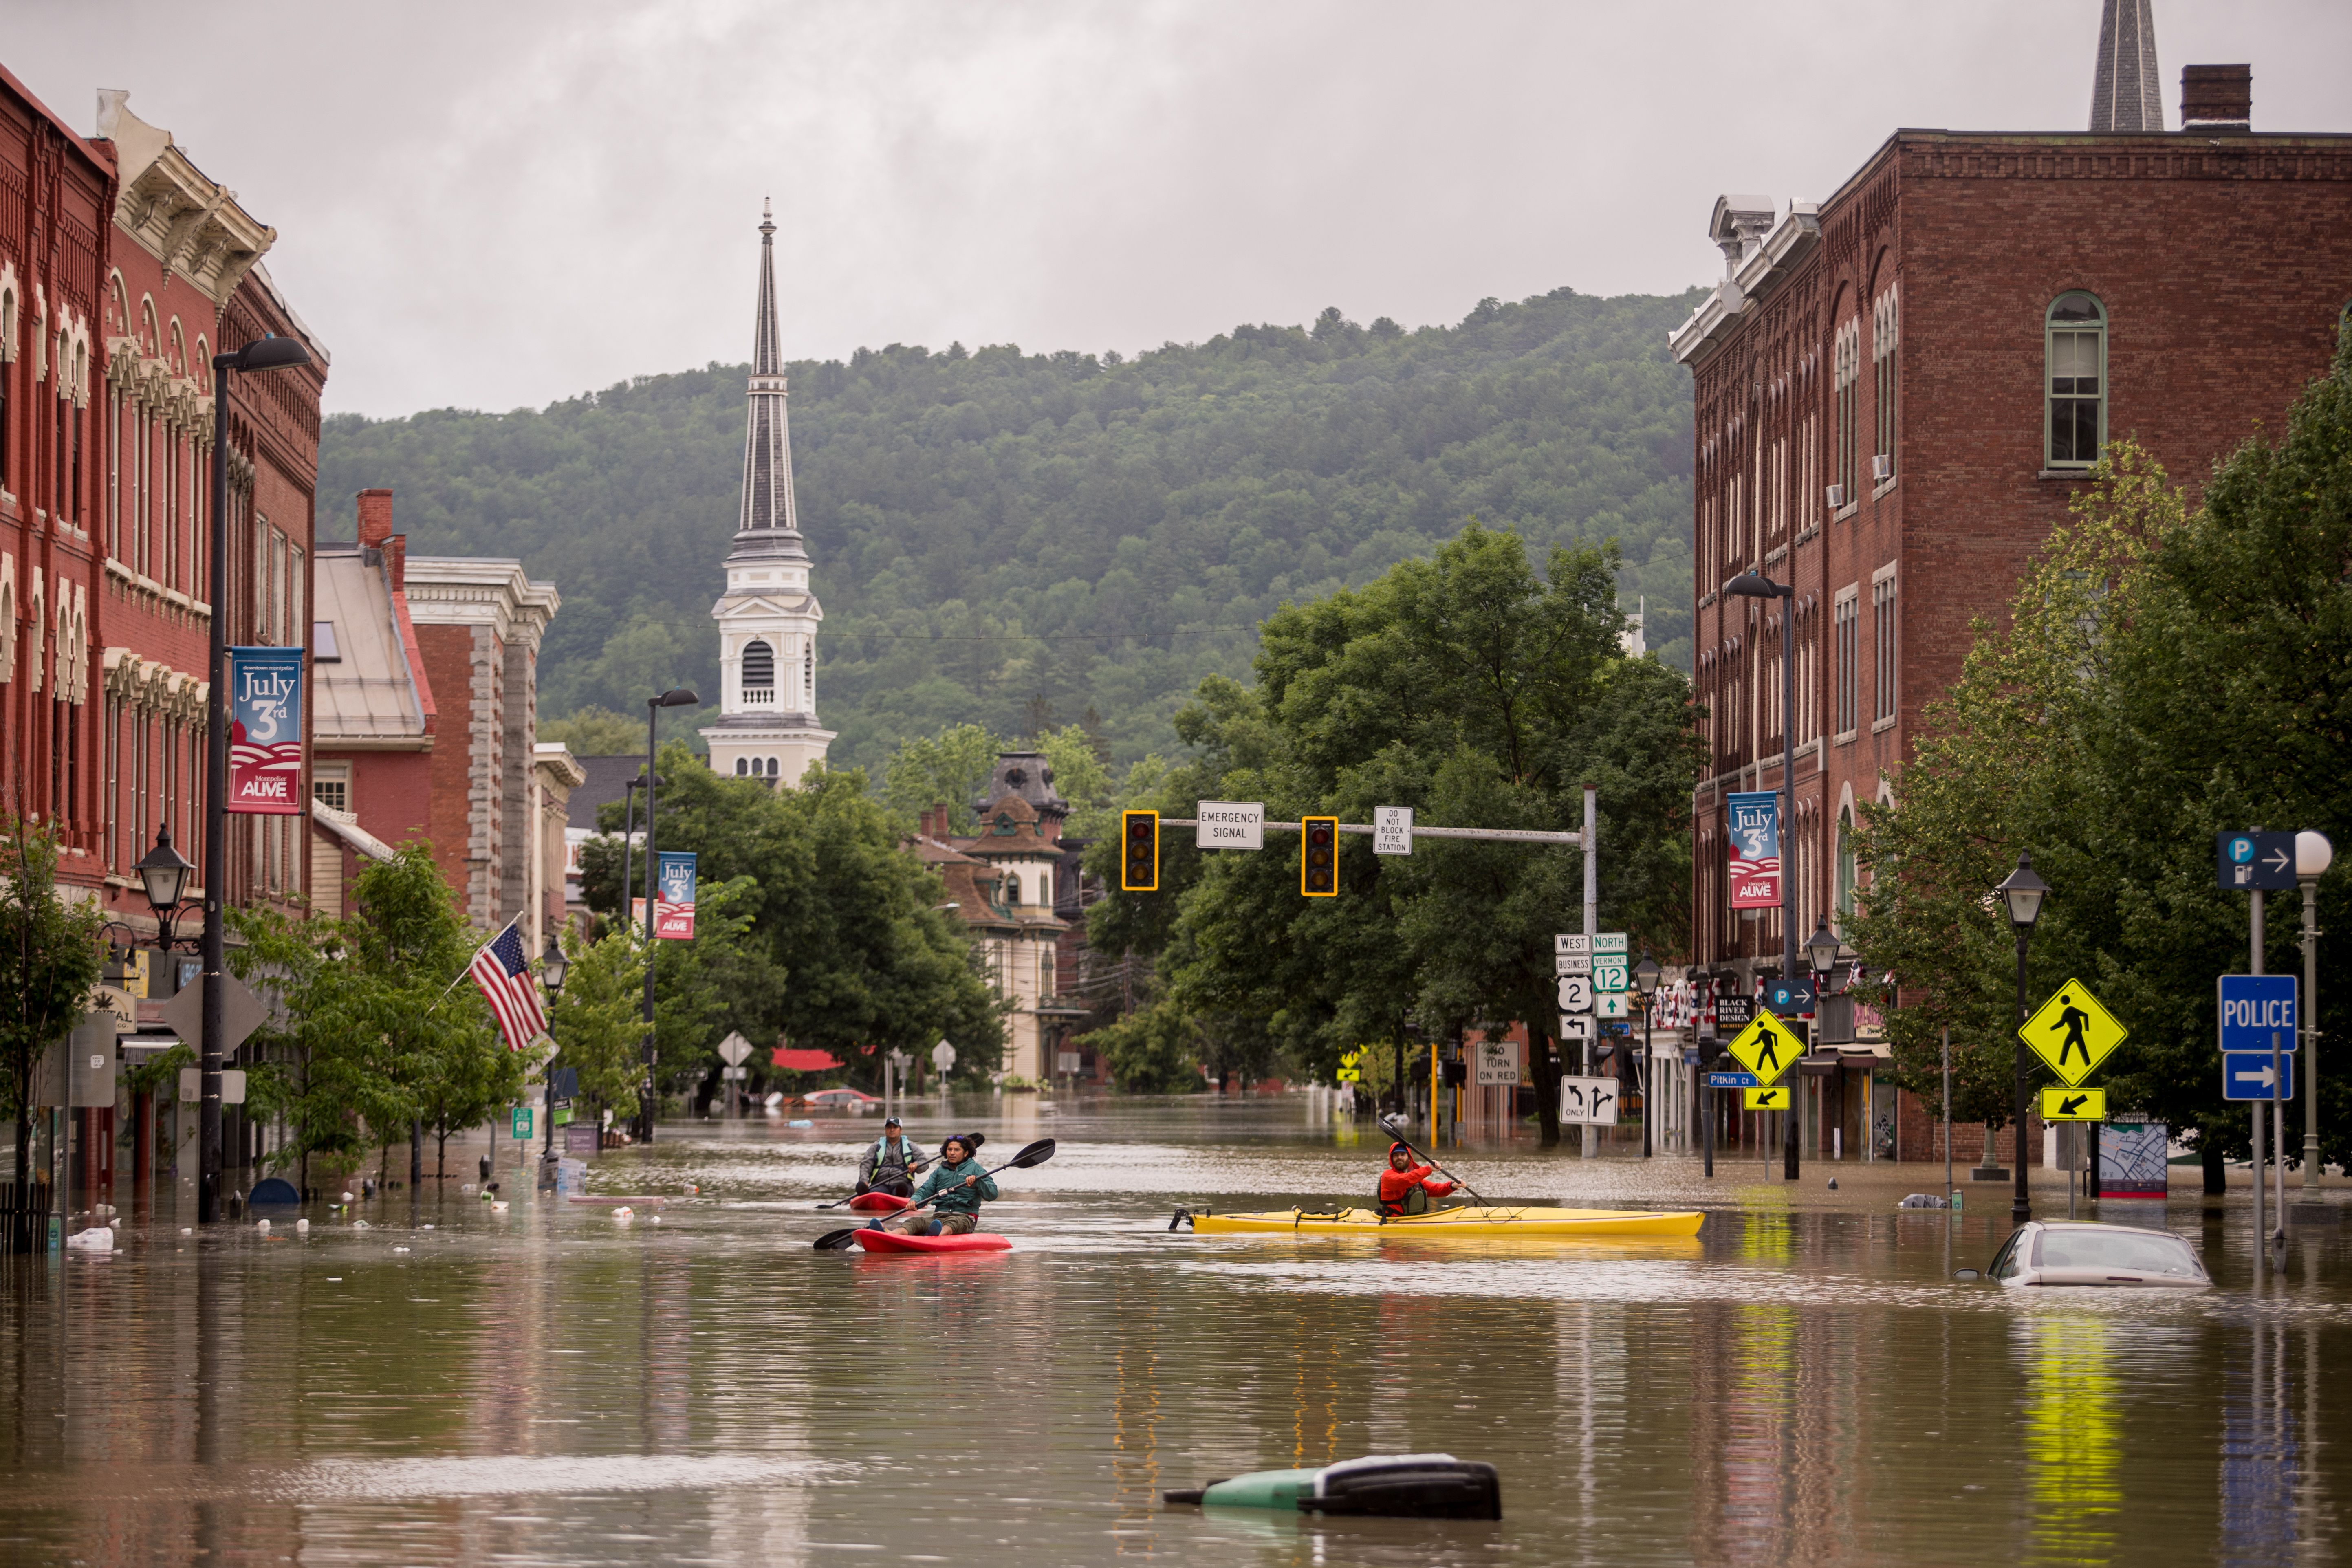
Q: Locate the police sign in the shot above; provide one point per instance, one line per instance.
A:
(2255, 1007)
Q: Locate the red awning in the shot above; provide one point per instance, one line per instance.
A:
(803, 1061)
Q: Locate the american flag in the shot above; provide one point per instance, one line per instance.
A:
(504, 975)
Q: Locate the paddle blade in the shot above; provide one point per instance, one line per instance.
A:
(1037, 1154)
(836, 1240)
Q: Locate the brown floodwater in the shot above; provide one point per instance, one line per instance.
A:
(1803, 1383)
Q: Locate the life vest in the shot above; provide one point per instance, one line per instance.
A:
(880, 1162)
(1409, 1191)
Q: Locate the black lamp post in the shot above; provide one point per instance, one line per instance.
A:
(165, 872)
(1750, 585)
(2024, 892)
(675, 696)
(552, 966)
(262, 353)
(1645, 980)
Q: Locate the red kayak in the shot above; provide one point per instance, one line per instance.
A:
(878, 1203)
(895, 1241)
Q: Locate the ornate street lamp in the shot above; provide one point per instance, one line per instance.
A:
(165, 872)
(2022, 892)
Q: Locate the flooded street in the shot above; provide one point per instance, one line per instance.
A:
(1802, 1382)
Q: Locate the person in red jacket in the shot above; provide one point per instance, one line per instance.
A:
(1405, 1187)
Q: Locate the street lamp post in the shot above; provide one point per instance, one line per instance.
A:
(552, 966)
(675, 696)
(262, 353)
(1750, 586)
(2024, 892)
(2313, 854)
(164, 873)
(1645, 979)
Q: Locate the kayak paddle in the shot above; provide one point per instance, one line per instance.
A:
(920, 1166)
(1037, 1154)
(1390, 1128)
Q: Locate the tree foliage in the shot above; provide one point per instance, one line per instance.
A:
(50, 965)
(2168, 675)
(831, 930)
(1477, 691)
(996, 528)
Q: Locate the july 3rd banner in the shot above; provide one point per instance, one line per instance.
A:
(674, 896)
(265, 732)
(1755, 861)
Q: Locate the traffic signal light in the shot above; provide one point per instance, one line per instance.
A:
(1139, 852)
(1318, 858)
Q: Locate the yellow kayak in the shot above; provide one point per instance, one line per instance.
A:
(1445, 1222)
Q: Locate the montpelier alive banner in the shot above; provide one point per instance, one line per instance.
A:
(265, 732)
(1754, 842)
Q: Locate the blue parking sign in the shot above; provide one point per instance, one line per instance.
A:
(2253, 1007)
(2244, 862)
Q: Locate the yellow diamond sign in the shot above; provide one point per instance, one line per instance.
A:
(1767, 1050)
(2072, 1032)
(2074, 1105)
(1777, 1098)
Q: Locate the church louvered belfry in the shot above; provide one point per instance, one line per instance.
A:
(2126, 95)
(768, 617)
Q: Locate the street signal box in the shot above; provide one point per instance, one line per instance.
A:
(1318, 857)
(1139, 852)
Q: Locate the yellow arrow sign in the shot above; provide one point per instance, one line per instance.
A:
(1777, 1098)
(2072, 1032)
(2074, 1105)
(1767, 1049)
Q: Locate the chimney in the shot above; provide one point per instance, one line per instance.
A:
(375, 517)
(395, 557)
(935, 821)
(2216, 98)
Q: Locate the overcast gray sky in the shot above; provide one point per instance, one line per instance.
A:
(494, 202)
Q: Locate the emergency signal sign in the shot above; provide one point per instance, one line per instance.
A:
(1318, 857)
(1139, 852)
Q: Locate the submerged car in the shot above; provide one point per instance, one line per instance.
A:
(2072, 1252)
(841, 1099)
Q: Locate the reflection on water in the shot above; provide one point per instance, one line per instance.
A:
(1799, 1384)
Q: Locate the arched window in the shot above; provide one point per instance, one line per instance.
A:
(742, 766)
(759, 665)
(2076, 354)
(1844, 868)
(1012, 889)
(775, 770)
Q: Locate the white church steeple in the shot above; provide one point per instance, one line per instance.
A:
(768, 618)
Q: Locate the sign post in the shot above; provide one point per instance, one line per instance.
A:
(2254, 862)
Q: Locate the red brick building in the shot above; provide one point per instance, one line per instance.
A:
(425, 685)
(123, 268)
(1899, 389)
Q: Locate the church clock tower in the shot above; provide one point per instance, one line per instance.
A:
(768, 617)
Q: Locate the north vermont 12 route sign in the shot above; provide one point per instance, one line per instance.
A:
(2072, 1032)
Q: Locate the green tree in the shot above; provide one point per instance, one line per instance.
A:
(1152, 1050)
(49, 966)
(1479, 693)
(2107, 731)
(950, 767)
(844, 944)
(597, 1021)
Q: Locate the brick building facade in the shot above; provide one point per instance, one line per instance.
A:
(428, 724)
(124, 269)
(1898, 391)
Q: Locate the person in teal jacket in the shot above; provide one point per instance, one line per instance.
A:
(960, 1184)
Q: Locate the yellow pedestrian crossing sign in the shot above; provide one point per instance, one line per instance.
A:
(2074, 1105)
(2072, 1032)
(1777, 1098)
(1767, 1050)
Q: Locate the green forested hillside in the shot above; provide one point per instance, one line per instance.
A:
(998, 534)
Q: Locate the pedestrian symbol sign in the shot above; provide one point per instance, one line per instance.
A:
(1767, 1050)
(2072, 1032)
(2074, 1105)
(1773, 1098)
